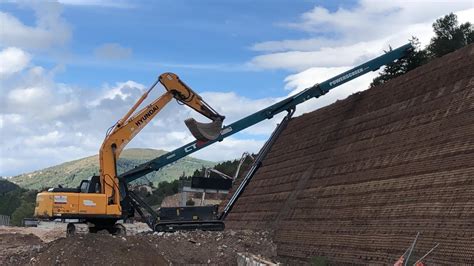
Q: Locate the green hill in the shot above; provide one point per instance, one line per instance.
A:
(70, 174)
(6, 186)
(16, 202)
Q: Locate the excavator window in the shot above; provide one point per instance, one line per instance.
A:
(84, 187)
(92, 185)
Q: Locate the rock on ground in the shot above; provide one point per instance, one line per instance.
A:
(196, 247)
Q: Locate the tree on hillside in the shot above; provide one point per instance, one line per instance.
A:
(449, 35)
(10, 201)
(413, 60)
(18, 204)
(6, 186)
(163, 190)
(25, 210)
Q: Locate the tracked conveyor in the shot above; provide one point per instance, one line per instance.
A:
(205, 134)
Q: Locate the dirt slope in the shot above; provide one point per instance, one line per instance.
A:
(355, 181)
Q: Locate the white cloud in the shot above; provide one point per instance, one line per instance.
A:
(358, 34)
(112, 51)
(122, 90)
(466, 15)
(324, 57)
(229, 149)
(25, 96)
(36, 95)
(309, 77)
(9, 119)
(38, 118)
(44, 123)
(372, 19)
(50, 138)
(234, 106)
(299, 45)
(12, 60)
(50, 29)
(10, 165)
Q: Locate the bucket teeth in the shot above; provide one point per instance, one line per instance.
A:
(204, 131)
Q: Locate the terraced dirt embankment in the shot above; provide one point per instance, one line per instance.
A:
(355, 181)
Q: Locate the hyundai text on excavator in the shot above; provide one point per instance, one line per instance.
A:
(102, 200)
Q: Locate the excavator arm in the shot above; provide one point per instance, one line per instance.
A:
(201, 131)
(119, 135)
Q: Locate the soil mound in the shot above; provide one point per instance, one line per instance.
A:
(96, 249)
(221, 248)
(21, 245)
(195, 247)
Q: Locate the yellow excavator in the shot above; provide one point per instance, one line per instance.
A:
(100, 201)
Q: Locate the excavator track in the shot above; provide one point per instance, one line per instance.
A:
(172, 226)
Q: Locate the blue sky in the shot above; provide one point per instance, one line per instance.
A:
(70, 69)
(207, 42)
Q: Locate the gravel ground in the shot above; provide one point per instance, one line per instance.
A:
(21, 247)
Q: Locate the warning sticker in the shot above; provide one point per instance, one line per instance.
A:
(60, 199)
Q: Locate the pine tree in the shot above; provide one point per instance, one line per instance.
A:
(413, 60)
(449, 36)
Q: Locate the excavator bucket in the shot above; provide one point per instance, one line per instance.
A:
(204, 131)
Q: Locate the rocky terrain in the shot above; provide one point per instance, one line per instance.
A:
(40, 246)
